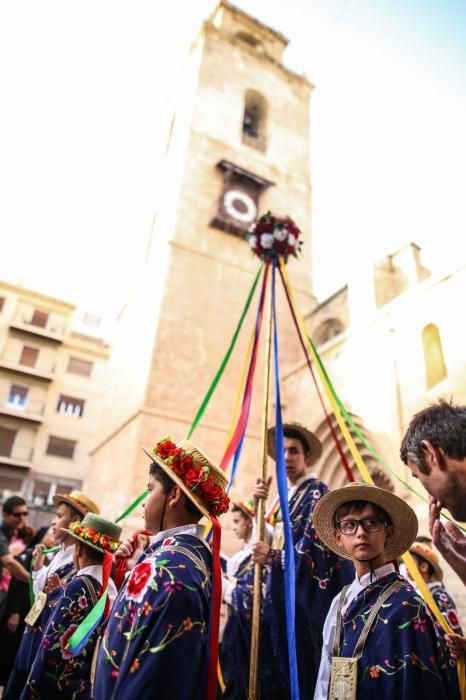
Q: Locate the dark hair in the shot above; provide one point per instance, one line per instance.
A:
(168, 484)
(235, 509)
(443, 424)
(92, 554)
(423, 539)
(11, 503)
(357, 507)
(296, 435)
(420, 560)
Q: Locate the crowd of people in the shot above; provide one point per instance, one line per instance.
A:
(98, 617)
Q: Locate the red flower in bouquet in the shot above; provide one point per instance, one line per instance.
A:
(272, 236)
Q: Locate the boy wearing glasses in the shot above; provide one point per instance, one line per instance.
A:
(380, 639)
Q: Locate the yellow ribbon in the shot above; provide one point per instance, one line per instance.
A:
(407, 558)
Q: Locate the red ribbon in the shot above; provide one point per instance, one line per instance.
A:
(243, 418)
(216, 600)
(344, 461)
(120, 568)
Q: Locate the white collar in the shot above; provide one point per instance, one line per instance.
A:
(193, 529)
(95, 570)
(380, 572)
(292, 488)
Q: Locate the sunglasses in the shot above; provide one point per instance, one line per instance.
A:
(21, 514)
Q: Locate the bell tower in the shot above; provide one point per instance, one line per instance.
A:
(238, 145)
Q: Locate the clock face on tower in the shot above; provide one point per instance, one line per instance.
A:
(239, 205)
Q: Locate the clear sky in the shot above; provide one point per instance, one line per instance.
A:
(84, 87)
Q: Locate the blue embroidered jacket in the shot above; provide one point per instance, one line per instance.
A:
(156, 640)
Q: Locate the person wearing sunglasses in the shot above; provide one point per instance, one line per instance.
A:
(15, 513)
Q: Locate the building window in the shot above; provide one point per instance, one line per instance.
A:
(254, 120)
(7, 438)
(328, 330)
(78, 366)
(249, 39)
(39, 318)
(40, 492)
(68, 406)
(18, 396)
(59, 447)
(29, 356)
(2, 301)
(433, 355)
(9, 485)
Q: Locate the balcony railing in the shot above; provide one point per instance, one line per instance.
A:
(43, 369)
(18, 407)
(53, 330)
(19, 455)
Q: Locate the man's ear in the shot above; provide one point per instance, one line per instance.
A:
(431, 456)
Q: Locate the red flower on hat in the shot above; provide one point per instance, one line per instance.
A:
(139, 579)
(195, 478)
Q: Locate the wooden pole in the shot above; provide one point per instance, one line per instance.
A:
(254, 690)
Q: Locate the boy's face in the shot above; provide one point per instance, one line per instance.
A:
(154, 505)
(295, 459)
(241, 526)
(64, 516)
(363, 545)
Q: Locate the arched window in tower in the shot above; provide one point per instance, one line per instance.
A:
(433, 355)
(328, 330)
(254, 120)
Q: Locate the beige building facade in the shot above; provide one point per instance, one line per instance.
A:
(50, 394)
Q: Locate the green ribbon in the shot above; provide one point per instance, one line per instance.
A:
(365, 442)
(221, 369)
(80, 636)
(33, 561)
(133, 505)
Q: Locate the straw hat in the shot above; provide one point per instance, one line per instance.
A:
(96, 532)
(196, 475)
(311, 440)
(246, 507)
(77, 500)
(403, 517)
(427, 554)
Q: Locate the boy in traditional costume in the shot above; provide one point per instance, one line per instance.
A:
(319, 574)
(46, 582)
(429, 567)
(380, 639)
(237, 594)
(60, 670)
(161, 636)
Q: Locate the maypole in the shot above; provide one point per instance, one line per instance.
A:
(260, 514)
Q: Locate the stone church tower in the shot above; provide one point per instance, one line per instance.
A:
(238, 145)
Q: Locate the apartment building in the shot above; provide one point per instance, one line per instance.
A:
(52, 366)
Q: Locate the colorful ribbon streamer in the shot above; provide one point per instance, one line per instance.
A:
(243, 419)
(344, 461)
(80, 636)
(224, 362)
(290, 583)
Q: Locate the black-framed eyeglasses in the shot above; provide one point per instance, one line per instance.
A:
(350, 527)
(22, 514)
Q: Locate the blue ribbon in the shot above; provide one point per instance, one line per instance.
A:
(283, 493)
